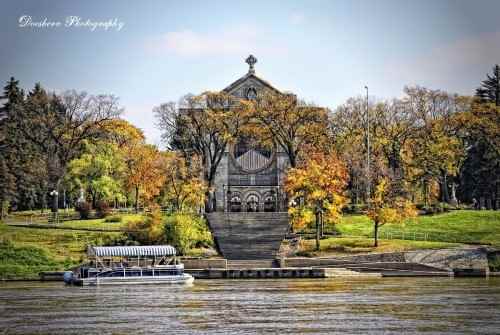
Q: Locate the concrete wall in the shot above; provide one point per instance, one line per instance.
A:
(194, 263)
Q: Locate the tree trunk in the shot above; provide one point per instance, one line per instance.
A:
(426, 203)
(445, 196)
(137, 199)
(322, 224)
(375, 234)
(317, 231)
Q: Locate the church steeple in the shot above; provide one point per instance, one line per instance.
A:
(251, 60)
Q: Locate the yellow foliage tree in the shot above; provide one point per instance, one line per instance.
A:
(387, 207)
(317, 184)
(183, 187)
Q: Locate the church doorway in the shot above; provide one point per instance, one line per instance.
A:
(269, 204)
(235, 204)
(252, 203)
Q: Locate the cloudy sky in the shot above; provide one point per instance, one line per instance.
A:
(324, 51)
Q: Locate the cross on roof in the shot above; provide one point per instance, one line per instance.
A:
(251, 60)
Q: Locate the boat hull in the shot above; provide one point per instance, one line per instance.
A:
(96, 281)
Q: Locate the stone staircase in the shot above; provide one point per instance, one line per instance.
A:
(247, 236)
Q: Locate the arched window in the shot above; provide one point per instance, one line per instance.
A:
(252, 203)
(235, 204)
(270, 203)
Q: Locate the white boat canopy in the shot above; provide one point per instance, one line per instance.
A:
(143, 250)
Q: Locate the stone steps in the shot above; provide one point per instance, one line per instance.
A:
(246, 236)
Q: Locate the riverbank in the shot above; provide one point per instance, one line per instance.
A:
(26, 251)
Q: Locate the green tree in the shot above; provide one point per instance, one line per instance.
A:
(100, 170)
(59, 125)
(23, 165)
(489, 90)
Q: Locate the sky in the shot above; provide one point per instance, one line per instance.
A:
(153, 52)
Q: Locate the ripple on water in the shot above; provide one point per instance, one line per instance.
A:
(354, 306)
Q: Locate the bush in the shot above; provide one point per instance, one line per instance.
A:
(149, 230)
(114, 218)
(102, 209)
(84, 209)
(186, 231)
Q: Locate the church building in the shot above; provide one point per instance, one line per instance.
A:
(249, 178)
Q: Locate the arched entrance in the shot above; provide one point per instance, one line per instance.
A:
(235, 204)
(269, 203)
(252, 203)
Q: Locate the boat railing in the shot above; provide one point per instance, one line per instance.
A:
(138, 271)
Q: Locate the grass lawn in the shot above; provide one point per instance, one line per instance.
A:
(103, 223)
(341, 246)
(466, 226)
(24, 252)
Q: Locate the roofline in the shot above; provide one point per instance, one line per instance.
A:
(245, 77)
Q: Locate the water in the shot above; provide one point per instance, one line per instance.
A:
(329, 306)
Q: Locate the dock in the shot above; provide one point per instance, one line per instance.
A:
(270, 273)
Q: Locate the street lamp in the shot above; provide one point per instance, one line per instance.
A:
(55, 204)
(368, 176)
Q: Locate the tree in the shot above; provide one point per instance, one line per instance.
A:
(183, 187)
(59, 125)
(489, 91)
(387, 207)
(436, 153)
(480, 130)
(203, 125)
(143, 173)
(317, 184)
(290, 123)
(23, 165)
(100, 171)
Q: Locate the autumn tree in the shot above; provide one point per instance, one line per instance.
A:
(290, 123)
(143, 171)
(387, 206)
(317, 184)
(203, 125)
(348, 128)
(436, 151)
(183, 187)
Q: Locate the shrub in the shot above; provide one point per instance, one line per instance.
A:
(149, 230)
(114, 218)
(102, 209)
(185, 231)
(84, 209)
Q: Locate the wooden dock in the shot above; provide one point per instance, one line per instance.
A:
(276, 273)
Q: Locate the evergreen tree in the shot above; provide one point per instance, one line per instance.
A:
(490, 87)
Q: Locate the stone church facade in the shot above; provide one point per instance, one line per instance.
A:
(248, 178)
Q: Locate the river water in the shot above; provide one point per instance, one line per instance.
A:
(315, 306)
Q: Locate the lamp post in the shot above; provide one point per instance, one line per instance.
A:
(368, 172)
(55, 204)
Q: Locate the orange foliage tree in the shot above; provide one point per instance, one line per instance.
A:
(144, 174)
(317, 184)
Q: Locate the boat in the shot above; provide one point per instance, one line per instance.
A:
(153, 264)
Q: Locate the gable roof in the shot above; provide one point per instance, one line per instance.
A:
(246, 77)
